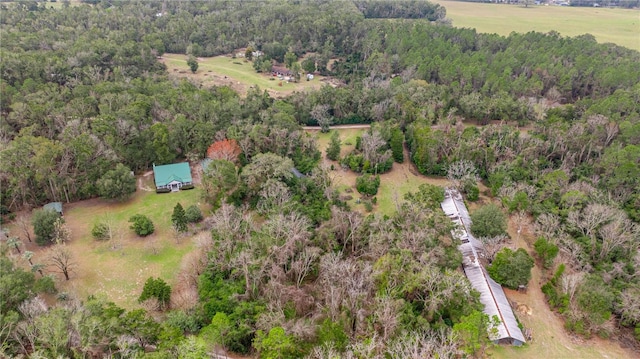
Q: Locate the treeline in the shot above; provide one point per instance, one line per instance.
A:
(414, 9)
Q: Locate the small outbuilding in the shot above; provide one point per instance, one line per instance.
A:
(56, 206)
(173, 176)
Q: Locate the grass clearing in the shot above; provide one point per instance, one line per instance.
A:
(402, 178)
(619, 26)
(117, 269)
(236, 73)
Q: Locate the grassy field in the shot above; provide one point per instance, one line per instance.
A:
(117, 269)
(236, 73)
(619, 26)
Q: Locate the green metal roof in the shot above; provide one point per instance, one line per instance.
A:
(56, 206)
(166, 174)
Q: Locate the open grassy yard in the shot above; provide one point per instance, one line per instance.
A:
(117, 269)
(619, 26)
(236, 73)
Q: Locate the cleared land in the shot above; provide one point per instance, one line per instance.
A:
(237, 73)
(402, 178)
(619, 26)
(117, 269)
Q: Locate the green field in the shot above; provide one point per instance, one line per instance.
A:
(619, 26)
(117, 270)
(237, 73)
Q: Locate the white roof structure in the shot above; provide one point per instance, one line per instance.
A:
(491, 293)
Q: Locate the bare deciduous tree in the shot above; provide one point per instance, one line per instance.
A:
(320, 113)
(620, 233)
(372, 145)
(571, 283)
(418, 345)
(24, 224)
(492, 245)
(61, 259)
(630, 305)
(386, 313)
(460, 172)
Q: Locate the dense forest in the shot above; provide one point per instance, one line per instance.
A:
(288, 269)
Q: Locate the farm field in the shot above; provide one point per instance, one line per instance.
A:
(619, 26)
(117, 269)
(236, 73)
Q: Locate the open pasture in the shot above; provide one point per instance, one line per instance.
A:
(619, 26)
(237, 73)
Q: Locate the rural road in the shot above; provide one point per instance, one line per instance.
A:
(338, 127)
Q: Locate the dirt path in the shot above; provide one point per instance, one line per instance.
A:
(550, 339)
(141, 185)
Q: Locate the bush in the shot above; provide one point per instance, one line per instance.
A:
(510, 268)
(45, 285)
(163, 190)
(142, 225)
(488, 221)
(44, 222)
(193, 214)
(472, 191)
(368, 184)
(158, 289)
(100, 231)
(546, 251)
(186, 187)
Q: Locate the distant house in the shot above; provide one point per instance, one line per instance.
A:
(56, 206)
(173, 176)
(280, 71)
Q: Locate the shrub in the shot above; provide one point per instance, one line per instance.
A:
(186, 187)
(510, 268)
(546, 251)
(45, 285)
(158, 289)
(368, 184)
(193, 214)
(141, 224)
(100, 231)
(488, 221)
(44, 222)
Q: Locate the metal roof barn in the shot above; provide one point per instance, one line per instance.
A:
(491, 293)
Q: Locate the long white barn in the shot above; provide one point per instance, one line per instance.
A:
(491, 293)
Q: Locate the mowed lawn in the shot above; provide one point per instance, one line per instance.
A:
(117, 269)
(619, 26)
(237, 73)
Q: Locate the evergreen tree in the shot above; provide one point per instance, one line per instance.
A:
(333, 151)
(178, 218)
(158, 289)
(396, 144)
(193, 63)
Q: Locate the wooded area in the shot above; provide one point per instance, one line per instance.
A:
(289, 270)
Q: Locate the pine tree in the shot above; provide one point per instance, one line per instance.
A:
(333, 151)
(178, 218)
